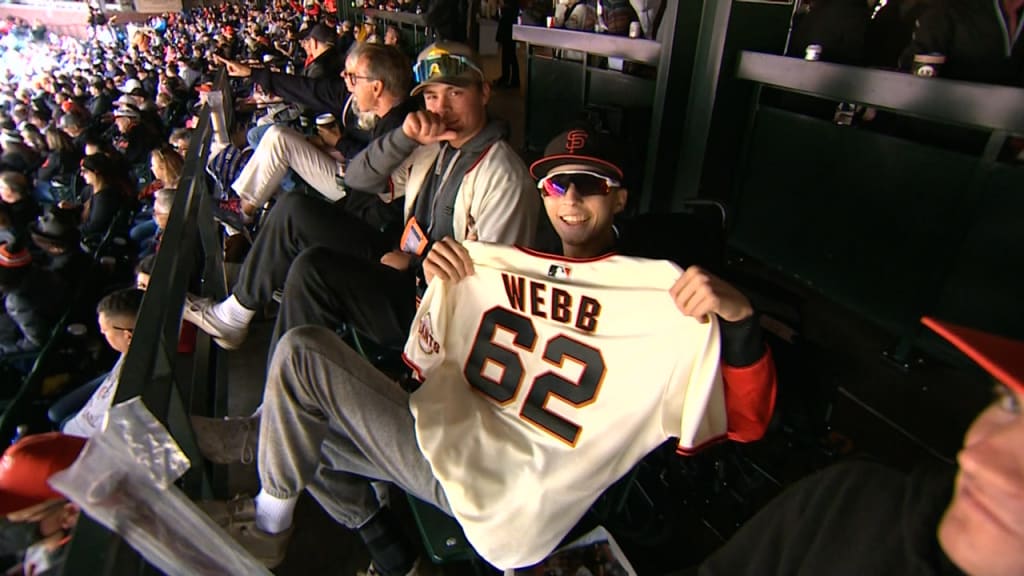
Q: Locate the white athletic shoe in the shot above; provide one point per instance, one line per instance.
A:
(198, 311)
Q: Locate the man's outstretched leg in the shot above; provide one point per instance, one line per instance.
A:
(296, 223)
(327, 407)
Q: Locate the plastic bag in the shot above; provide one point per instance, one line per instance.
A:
(124, 479)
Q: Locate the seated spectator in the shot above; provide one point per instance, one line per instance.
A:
(162, 205)
(144, 271)
(828, 523)
(166, 166)
(17, 155)
(32, 507)
(56, 234)
(33, 301)
(379, 79)
(333, 423)
(62, 162)
(180, 139)
(363, 231)
(81, 413)
(76, 126)
(104, 198)
(16, 196)
(135, 140)
(980, 39)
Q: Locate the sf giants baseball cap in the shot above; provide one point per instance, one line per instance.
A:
(582, 148)
(26, 467)
(446, 63)
(1001, 357)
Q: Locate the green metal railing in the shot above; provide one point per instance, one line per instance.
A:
(170, 388)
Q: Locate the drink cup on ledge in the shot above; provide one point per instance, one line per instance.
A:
(928, 65)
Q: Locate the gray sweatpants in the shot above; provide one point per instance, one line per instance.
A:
(327, 412)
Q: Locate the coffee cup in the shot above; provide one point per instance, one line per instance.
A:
(928, 65)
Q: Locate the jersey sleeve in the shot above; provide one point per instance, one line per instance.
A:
(425, 348)
(698, 394)
(750, 397)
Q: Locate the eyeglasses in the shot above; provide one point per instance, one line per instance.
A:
(443, 66)
(586, 183)
(353, 78)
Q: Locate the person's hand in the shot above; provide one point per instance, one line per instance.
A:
(248, 210)
(236, 69)
(397, 259)
(426, 128)
(329, 135)
(447, 260)
(698, 293)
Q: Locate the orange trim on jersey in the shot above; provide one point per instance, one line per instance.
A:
(480, 158)
(417, 372)
(750, 397)
(702, 446)
(546, 256)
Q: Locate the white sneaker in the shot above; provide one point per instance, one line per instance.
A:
(198, 311)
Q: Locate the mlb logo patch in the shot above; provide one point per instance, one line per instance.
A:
(559, 271)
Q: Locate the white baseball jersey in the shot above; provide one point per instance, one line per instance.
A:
(545, 380)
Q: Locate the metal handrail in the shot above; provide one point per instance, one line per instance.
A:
(985, 106)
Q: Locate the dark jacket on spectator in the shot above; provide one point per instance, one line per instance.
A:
(30, 310)
(22, 213)
(103, 208)
(838, 26)
(20, 158)
(136, 145)
(57, 163)
(100, 105)
(319, 96)
(973, 36)
(448, 19)
(327, 65)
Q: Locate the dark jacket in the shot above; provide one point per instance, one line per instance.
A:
(22, 213)
(507, 19)
(30, 310)
(319, 96)
(368, 204)
(137, 143)
(972, 34)
(103, 208)
(448, 19)
(100, 105)
(838, 26)
(851, 519)
(327, 65)
(57, 163)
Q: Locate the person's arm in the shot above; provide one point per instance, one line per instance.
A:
(318, 94)
(370, 170)
(748, 371)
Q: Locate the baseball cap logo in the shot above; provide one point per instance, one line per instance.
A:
(575, 140)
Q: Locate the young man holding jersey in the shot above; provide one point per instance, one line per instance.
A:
(328, 412)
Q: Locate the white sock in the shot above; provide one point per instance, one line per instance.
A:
(232, 313)
(274, 515)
